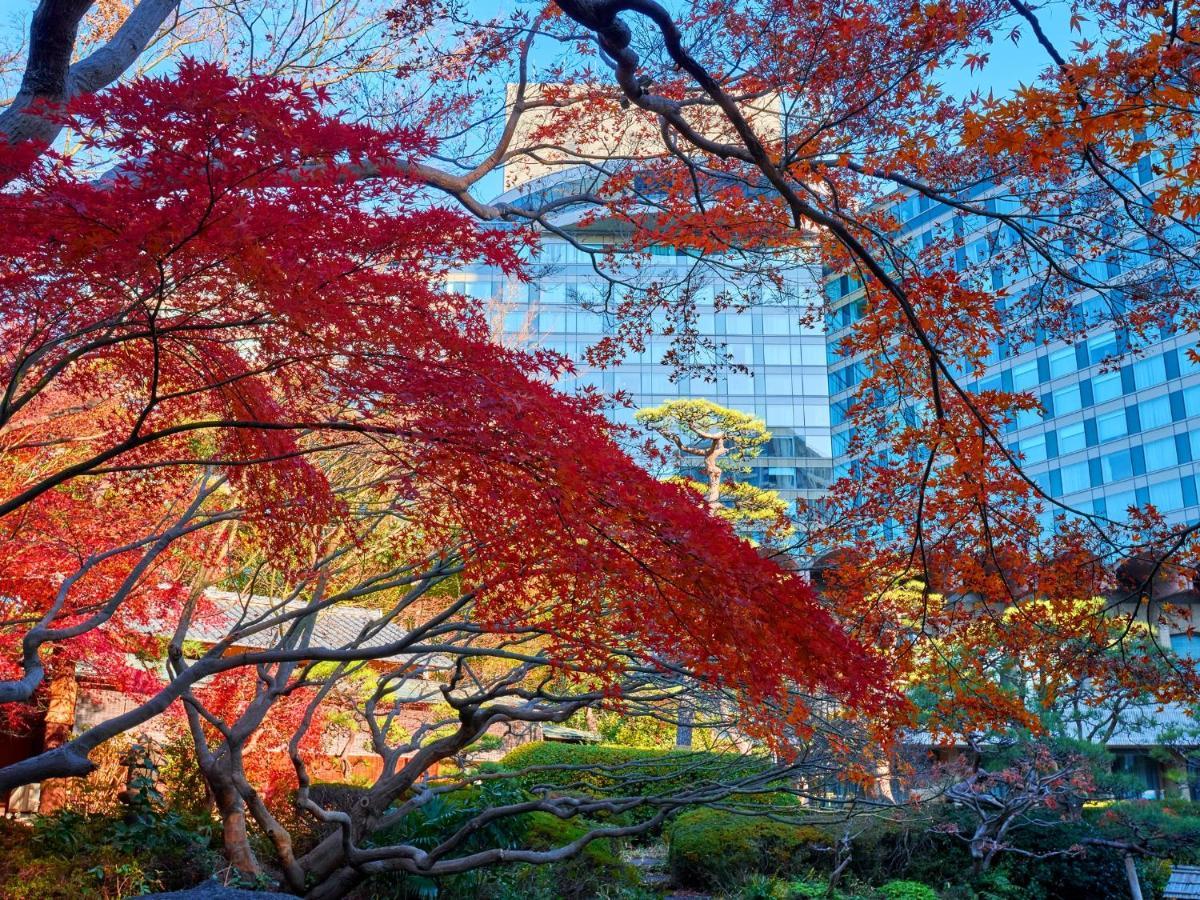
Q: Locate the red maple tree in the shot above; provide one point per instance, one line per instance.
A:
(199, 335)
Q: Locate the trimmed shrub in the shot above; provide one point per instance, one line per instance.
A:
(907, 890)
(717, 850)
(609, 770)
(598, 865)
(306, 830)
(942, 860)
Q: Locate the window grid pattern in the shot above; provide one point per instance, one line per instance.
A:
(785, 381)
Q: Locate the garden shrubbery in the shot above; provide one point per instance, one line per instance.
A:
(598, 868)
(717, 850)
(153, 845)
(305, 830)
(611, 770)
(907, 890)
(605, 768)
(71, 855)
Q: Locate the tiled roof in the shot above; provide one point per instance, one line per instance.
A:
(1152, 724)
(335, 627)
(1148, 726)
(1183, 883)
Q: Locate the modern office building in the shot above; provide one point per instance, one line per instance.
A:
(1109, 438)
(568, 306)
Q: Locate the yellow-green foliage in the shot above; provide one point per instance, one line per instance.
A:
(907, 890)
(70, 856)
(688, 421)
(545, 831)
(745, 504)
(608, 770)
(714, 849)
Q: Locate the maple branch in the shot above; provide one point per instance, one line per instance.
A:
(51, 79)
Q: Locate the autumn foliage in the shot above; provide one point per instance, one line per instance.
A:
(229, 358)
(233, 296)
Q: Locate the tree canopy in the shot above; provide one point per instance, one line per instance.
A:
(229, 360)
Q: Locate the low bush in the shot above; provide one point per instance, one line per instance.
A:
(762, 887)
(597, 869)
(1171, 827)
(599, 864)
(70, 855)
(609, 770)
(907, 890)
(915, 860)
(305, 829)
(716, 850)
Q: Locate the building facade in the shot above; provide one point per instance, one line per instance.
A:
(1116, 430)
(568, 306)
(1109, 437)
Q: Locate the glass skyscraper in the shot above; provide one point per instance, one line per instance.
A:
(1109, 437)
(567, 308)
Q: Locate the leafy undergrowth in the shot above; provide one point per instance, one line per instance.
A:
(71, 855)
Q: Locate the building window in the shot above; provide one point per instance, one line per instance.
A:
(1026, 417)
(738, 323)
(1033, 448)
(775, 324)
(1075, 477)
(1071, 438)
(1156, 412)
(1186, 645)
(781, 478)
(811, 355)
(1101, 346)
(1191, 400)
(778, 384)
(1067, 400)
(661, 383)
(1025, 376)
(1111, 426)
(1062, 362)
(777, 355)
(816, 415)
(780, 416)
(1149, 372)
(1167, 496)
(814, 385)
(1106, 387)
(1189, 361)
(1142, 779)
(1118, 505)
(1116, 466)
(1161, 454)
(555, 322)
(740, 384)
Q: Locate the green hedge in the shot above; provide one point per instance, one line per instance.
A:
(907, 890)
(599, 863)
(716, 850)
(611, 770)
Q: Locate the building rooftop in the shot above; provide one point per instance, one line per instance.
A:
(1183, 882)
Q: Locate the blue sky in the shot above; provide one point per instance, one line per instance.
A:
(1009, 65)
